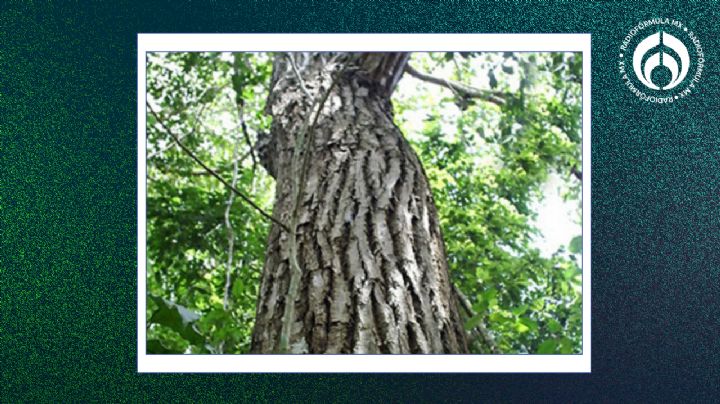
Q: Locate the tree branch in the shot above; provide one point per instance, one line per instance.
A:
(211, 171)
(459, 88)
(299, 77)
(577, 173)
(195, 125)
(230, 231)
(480, 329)
(246, 135)
(240, 102)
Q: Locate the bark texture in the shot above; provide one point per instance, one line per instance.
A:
(374, 275)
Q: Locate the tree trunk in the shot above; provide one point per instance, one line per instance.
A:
(372, 275)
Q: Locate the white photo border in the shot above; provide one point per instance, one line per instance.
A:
(473, 363)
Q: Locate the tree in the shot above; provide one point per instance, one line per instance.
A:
(366, 265)
(363, 245)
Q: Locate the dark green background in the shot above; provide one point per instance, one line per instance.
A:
(68, 205)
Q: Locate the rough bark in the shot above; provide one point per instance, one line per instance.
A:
(374, 275)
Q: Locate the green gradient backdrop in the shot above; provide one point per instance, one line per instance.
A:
(68, 205)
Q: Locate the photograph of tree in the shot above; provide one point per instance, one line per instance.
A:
(364, 203)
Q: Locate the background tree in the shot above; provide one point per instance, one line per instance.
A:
(487, 153)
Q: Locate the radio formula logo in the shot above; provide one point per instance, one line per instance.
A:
(661, 61)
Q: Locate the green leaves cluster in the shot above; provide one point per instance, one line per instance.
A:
(197, 94)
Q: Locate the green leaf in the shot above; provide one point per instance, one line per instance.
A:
(530, 324)
(566, 346)
(209, 96)
(575, 246)
(554, 326)
(178, 319)
(473, 322)
(521, 328)
(190, 62)
(519, 311)
(155, 347)
(547, 347)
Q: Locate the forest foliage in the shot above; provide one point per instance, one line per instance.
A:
(487, 164)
